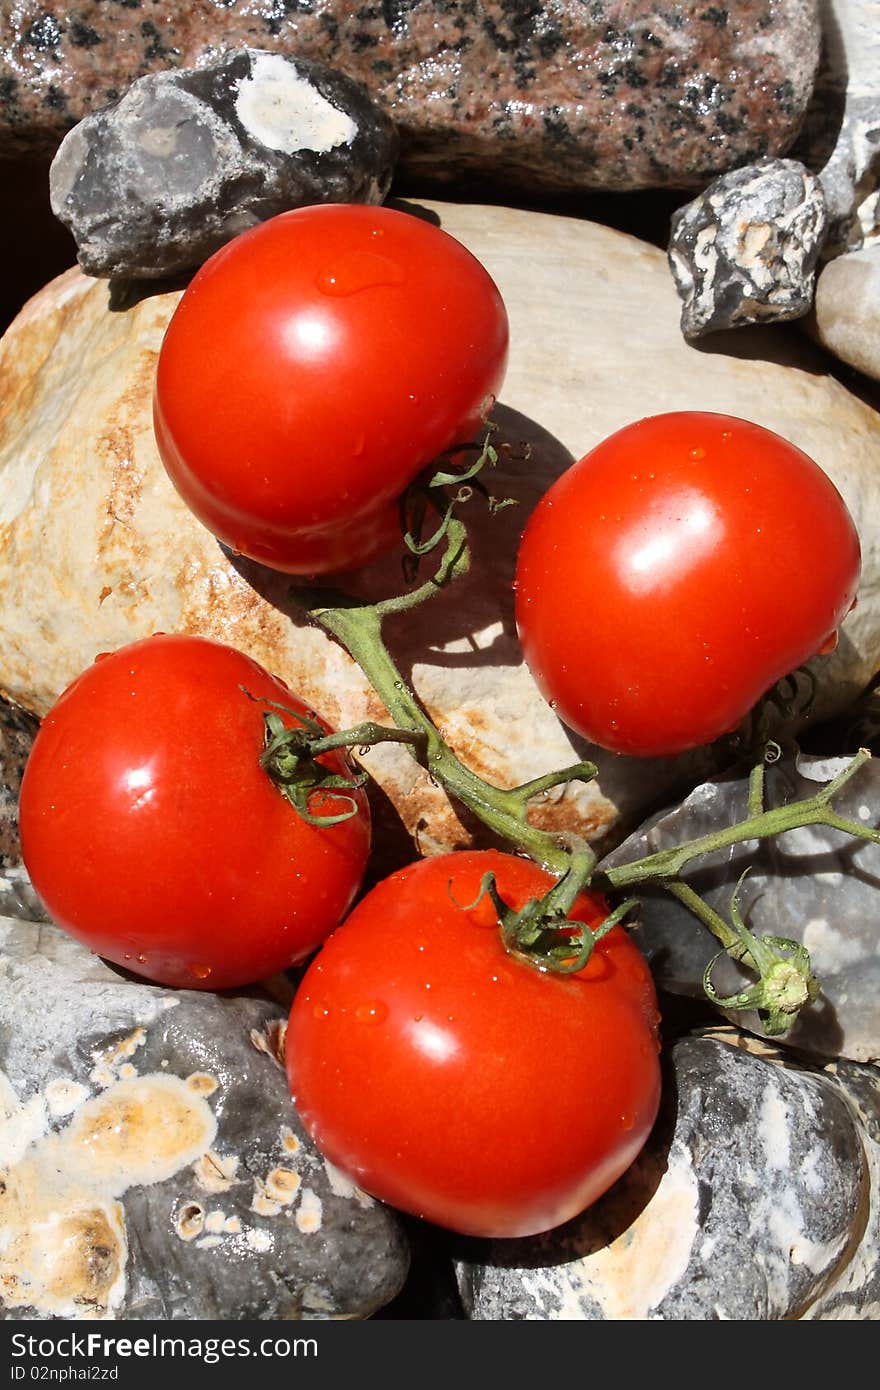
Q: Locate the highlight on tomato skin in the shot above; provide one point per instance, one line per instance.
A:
(675, 573)
(153, 835)
(458, 1083)
(312, 368)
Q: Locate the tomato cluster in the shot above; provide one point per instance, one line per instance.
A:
(311, 370)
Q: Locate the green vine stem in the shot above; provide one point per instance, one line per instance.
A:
(503, 811)
(541, 931)
(667, 864)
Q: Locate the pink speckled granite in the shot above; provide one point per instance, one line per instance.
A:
(551, 97)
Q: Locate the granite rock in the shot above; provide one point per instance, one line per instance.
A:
(847, 309)
(154, 1167)
(185, 160)
(543, 97)
(840, 139)
(745, 251)
(746, 1203)
(814, 885)
(97, 549)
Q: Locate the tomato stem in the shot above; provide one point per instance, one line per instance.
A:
(502, 810)
(667, 864)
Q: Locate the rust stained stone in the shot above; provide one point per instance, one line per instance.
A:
(557, 96)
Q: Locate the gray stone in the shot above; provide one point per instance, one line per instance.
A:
(840, 140)
(538, 97)
(745, 1204)
(157, 181)
(745, 251)
(855, 1292)
(815, 886)
(847, 309)
(17, 731)
(153, 1165)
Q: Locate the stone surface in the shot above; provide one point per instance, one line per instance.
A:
(745, 251)
(814, 885)
(745, 1204)
(840, 140)
(847, 309)
(556, 97)
(161, 179)
(152, 1164)
(97, 549)
(855, 1293)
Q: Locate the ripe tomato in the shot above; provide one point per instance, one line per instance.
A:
(153, 835)
(458, 1083)
(312, 368)
(672, 576)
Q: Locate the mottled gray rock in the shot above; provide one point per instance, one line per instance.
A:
(745, 1204)
(745, 251)
(550, 97)
(847, 308)
(153, 1165)
(855, 1292)
(17, 731)
(814, 885)
(840, 140)
(156, 182)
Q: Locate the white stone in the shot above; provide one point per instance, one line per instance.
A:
(847, 309)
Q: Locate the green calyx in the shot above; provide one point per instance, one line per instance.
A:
(291, 763)
(785, 983)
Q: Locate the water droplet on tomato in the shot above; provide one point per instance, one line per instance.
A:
(199, 972)
(358, 271)
(698, 453)
(126, 955)
(372, 1012)
(101, 655)
(828, 645)
(627, 1122)
(320, 1011)
(142, 960)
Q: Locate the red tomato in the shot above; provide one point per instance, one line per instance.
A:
(312, 368)
(153, 835)
(672, 576)
(458, 1083)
